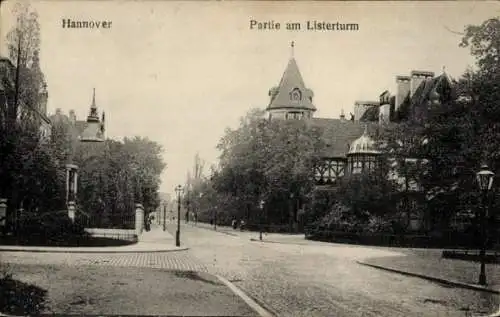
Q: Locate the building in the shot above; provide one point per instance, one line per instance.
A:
(90, 131)
(350, 143)
(32, 103)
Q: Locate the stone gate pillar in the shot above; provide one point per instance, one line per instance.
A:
(139, 218)
(71, 189)
(3, 212)
(71, 210)
(71, 182)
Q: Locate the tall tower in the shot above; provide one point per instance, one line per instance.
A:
(291, 99)
(94, 128)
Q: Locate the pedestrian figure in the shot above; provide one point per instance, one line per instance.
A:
(242, 224)
(234, 224)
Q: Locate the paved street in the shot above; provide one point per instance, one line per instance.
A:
(320, 279)
(307, 279)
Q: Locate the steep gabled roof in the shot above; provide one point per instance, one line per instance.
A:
(371, 114)
(282, 96)
(441, 87)
(339, 134)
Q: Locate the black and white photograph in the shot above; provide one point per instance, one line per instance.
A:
(250, 158)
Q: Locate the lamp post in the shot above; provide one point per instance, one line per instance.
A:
(178, 190)
(290, 223)
(197, 209)
(261, 207)
(164, 216)
(215, 217)
(485, 180)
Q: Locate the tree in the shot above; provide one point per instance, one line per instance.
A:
(459, 134)
(116, 175)
(267, 160)
(23, 42)
(28, 167)
(370, 193)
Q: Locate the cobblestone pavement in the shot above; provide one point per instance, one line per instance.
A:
(178, 260)
(319, 280)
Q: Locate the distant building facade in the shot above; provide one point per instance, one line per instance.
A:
(90, 129)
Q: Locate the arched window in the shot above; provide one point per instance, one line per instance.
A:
(296, 95)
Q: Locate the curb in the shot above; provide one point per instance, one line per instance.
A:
(219, 231)
(261, 311)
(92, 251)
(436, 280)
(277, 242)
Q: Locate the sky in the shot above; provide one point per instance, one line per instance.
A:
(179, 73)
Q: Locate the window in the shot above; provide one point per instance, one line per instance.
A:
(357, 167)
(318, 174)
(294, 115)
(296, 95)
(370, 162)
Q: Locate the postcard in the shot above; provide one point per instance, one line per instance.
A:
(250, 158)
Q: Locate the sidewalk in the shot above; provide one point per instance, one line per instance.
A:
(431, 266)
(221, 229)
(155, 240)
(266, 237)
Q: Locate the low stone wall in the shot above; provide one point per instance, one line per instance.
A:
(121, 234)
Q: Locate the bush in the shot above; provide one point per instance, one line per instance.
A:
(54, 228)
(19, 298)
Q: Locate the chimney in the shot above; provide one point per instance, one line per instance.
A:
(417, 77)
(403, 88)
(385, 108)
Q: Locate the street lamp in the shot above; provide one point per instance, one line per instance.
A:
(178, 190)
(164, 216)
(197, 209)
(485, 180)
(261, 207)
(215, 217)
(291, 212)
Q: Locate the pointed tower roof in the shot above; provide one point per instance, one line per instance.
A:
(93, 115)
(93, 130)
(291, 91)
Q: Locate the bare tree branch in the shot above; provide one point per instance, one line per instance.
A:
(454, 32)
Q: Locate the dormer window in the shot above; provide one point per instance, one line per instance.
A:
(296, 95)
